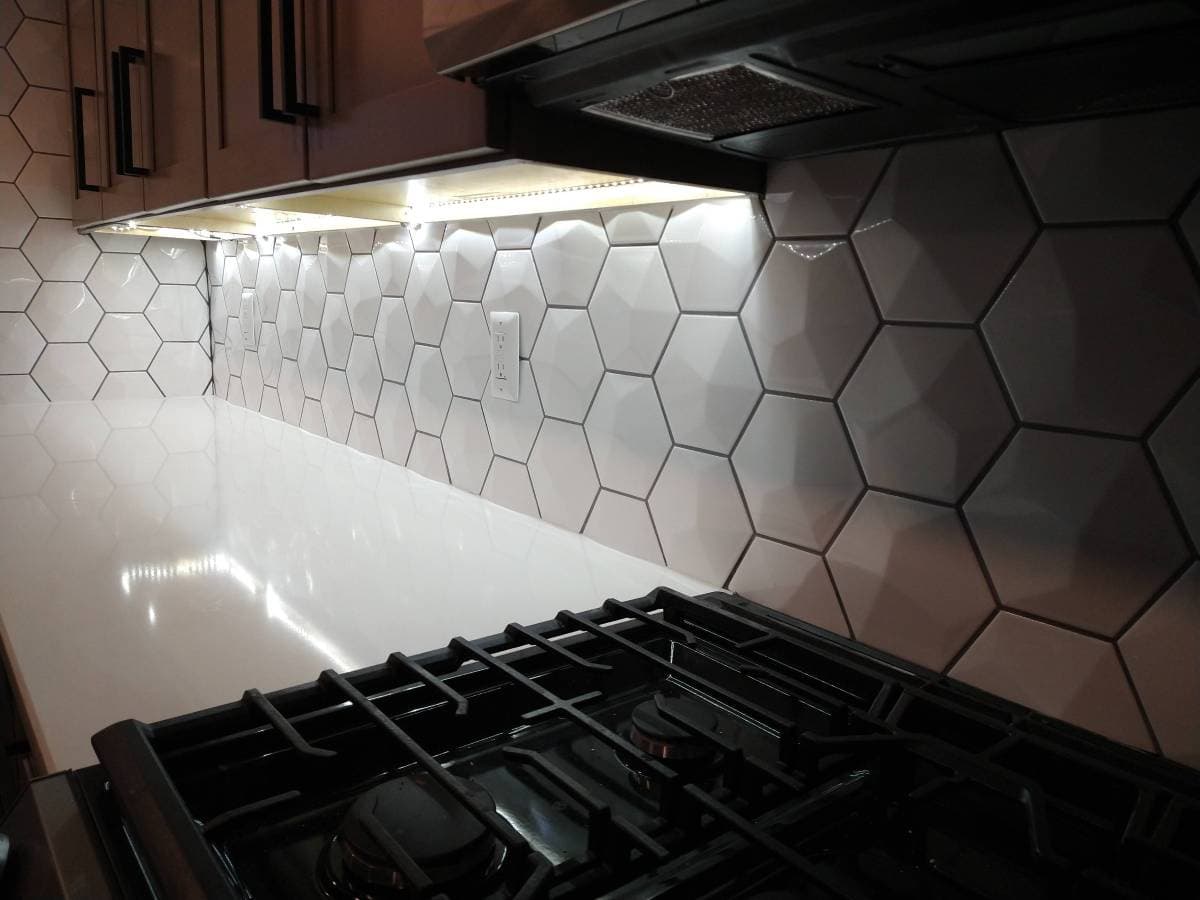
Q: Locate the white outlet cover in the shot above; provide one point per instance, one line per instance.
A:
(506, 347)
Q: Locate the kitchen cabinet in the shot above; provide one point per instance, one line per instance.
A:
(89, 134)
(252, 142)
(124, 39)
(379, 101)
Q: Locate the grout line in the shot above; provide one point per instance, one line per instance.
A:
(1137, 699)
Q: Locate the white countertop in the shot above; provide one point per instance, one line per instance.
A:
(159, 557)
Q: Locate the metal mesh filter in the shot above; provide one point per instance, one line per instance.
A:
(724, 102)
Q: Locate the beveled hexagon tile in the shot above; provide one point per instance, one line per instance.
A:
(12, 85)
(924, 411)
(20, 344)
(942, 230)
(18, 281)
(636, 225)
(269, 406)
(13, 150)
(214, 260)
(1168, 633)
(881, 563)
(270, 356)
(266, 285)
(179, 261)
(395, 423)
(363, 436)
(129, 399)
(122, 282)
(178, 312)
(20, 389)
(362, 295)
(42, 116)
(1118, 167)
(467, 252)
(10, 18)
(364, 375)
(16, 218)
(513, 286)
(514, 232)
(707, 382)
(508, 485)
(564, 479)
(394, 339)
(39, 49)
(1098, 328)
(567, 364)
(822, 195)
(428, 298)
(627, 433)
(393, 255)
(125, 342)
(46, 182)
(336, 331)
(1176, 447)
(68, 372)
(181, 370)
(465, 443)
(311, 418)
(623, 523)
(252, 381)
(287, 262)
(289, 324)
(291, 391)
(336, 406)
(513, 426)
(713, 249)
(247, 262)
(1074, 529)
(466, 348)
(235, 395)
(428, 389)
(426, 458)
(1057, 672)
(333, 256)
(808, 317)
(133, 243)
(633, 309)
(699, 515)
(310, 291)
(60, 254)
(313, 364)
(792, 581)
(797, 471)
(427, 236)
(65, 311)
(569, 249)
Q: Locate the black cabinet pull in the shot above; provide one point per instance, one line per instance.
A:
(266, 68)
(81, 182)
(122, 59)
(291, 72)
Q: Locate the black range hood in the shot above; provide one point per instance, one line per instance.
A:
(778, 79)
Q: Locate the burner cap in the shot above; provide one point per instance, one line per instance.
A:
(432, 827)
(659, 736)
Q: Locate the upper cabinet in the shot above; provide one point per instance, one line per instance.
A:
(124, 58)
(88, 118)
(253, 76)
(379, 102)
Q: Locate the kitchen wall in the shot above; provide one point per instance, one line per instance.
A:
(942, 399)
(79, 317)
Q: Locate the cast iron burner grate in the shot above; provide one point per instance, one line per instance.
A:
(668, 747)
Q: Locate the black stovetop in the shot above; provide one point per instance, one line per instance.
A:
(671, 747)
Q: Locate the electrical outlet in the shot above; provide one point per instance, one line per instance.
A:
(506, 346)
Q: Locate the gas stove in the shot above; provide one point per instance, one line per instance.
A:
(666, 747)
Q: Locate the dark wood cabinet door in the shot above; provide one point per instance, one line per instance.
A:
(178, 174)
(247, 151)
(124, 25)
(88, 119)
(380, 101)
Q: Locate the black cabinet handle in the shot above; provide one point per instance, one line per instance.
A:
(81, 182)
(266, 68)
(291, 72)
(122, 59)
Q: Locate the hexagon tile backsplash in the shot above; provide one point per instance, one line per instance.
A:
(80, 317)
(942, 399)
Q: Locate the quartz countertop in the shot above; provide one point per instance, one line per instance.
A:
(160, 557)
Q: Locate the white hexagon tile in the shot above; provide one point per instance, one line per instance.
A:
(887, 400)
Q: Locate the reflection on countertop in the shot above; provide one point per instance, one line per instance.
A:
(161, 556)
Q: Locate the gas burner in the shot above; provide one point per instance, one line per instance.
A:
(659, 736)
(452, 847)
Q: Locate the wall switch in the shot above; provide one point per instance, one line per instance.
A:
(506, 346)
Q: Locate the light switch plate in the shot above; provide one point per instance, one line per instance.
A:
(506, 345)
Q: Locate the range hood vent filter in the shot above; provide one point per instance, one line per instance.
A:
(724, 102)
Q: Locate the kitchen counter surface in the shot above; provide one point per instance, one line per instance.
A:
(159, 557)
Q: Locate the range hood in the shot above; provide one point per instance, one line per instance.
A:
(780, 79)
